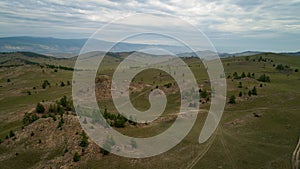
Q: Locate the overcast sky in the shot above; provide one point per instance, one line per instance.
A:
(231, 25)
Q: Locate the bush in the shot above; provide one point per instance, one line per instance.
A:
(29, 118)
(40, 108)
(296, 70)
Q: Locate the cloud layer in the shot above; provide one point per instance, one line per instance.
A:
(232, 25)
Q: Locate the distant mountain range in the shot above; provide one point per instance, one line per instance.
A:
(59, 47)
(71, 47)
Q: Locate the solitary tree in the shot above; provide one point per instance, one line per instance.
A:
(240, 94)
(240, 85)
(243, 75)
(232, 99)
(249, 93)
(76, 157)
(40, 108)
(254, 92)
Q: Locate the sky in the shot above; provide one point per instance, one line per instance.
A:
(231, 25)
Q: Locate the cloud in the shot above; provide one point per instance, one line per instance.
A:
(221, 20)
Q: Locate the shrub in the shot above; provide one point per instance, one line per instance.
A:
(296, 70)
(40, 108)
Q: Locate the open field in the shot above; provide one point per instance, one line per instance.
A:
(258, 131)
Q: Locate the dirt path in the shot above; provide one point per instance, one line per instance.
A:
(295, 159)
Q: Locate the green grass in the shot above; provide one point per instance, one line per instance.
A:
(241, 140)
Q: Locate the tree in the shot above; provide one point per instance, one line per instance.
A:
(76, 157)
(249, 93)
(63, 101)
(296, 70)
(243, 75)
(240, 85)
(232, 99)
(8, 80)
(240, 94)
(254, 92)
(204, 94)
(106, 148)
(40, 108)
(11, 134)
(249, 75)
(133, 143)
(62, 84)
(60, 123)
(84, 140)
(235, 75)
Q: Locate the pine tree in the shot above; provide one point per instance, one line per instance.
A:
(232, 99)
(254, 92)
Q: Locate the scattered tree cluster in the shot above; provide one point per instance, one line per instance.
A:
(116, 120)
(264, 78)
(29, 118)
(243, 75)
(45, 84)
